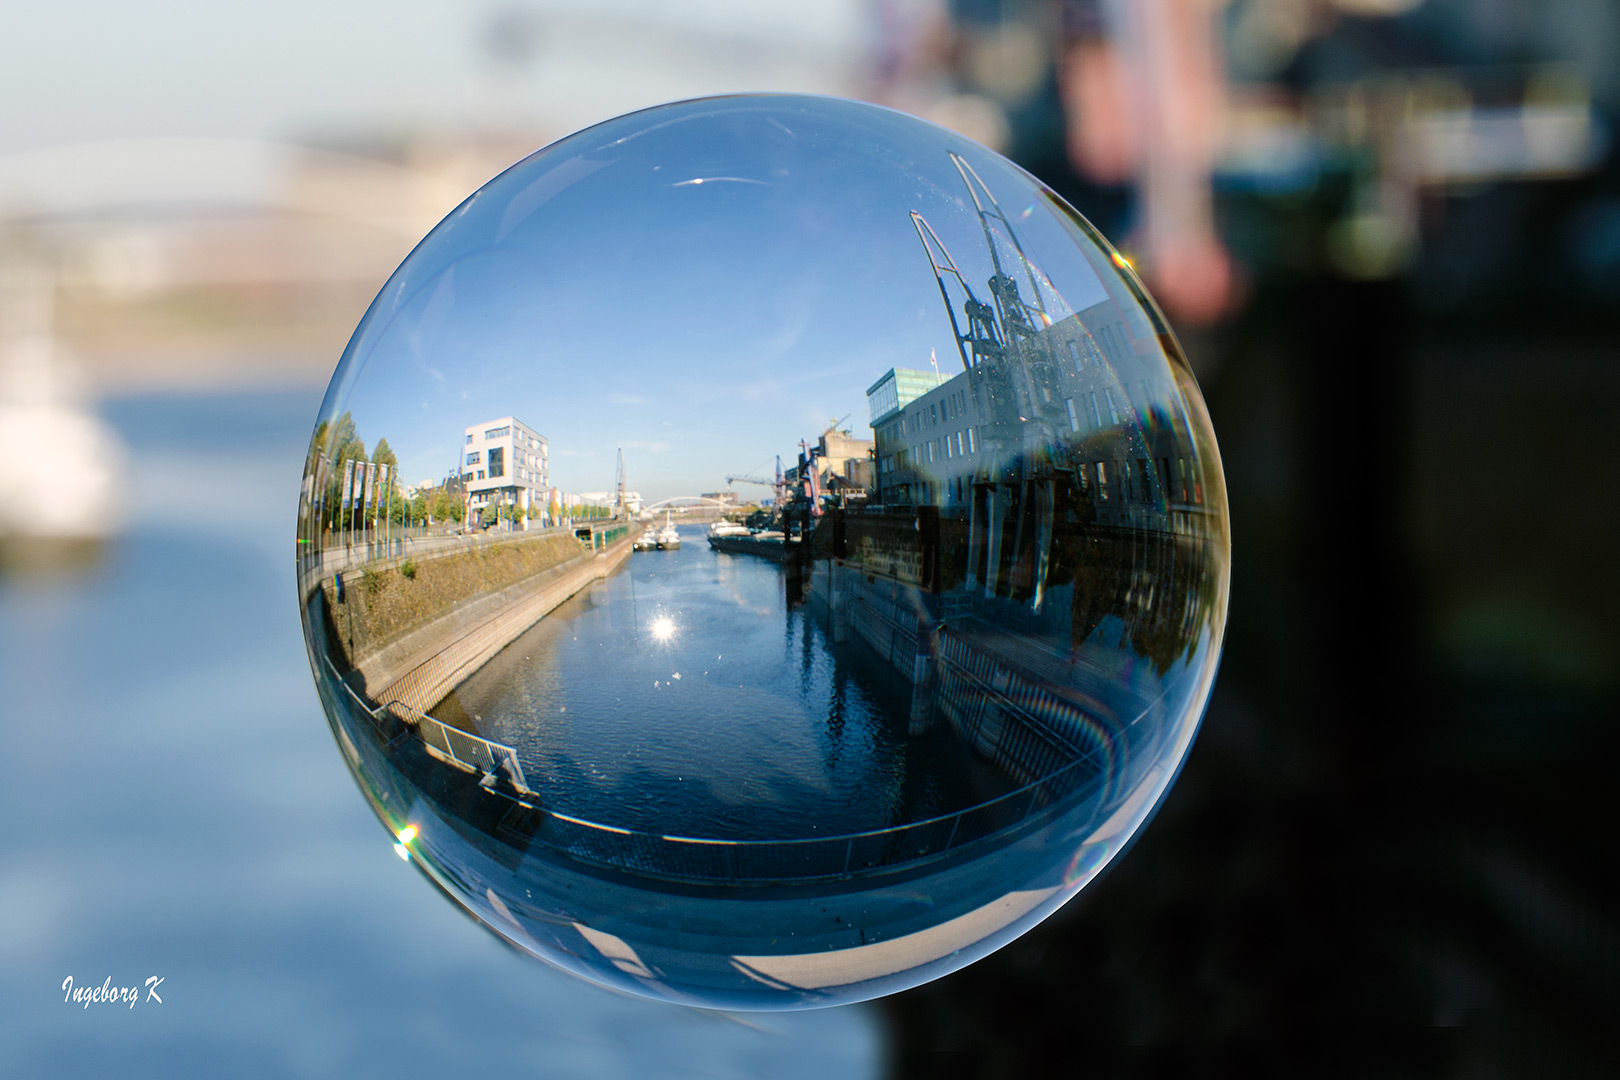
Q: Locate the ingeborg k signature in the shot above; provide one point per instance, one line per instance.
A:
(108, 994)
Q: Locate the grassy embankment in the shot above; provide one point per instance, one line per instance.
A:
(382, 606)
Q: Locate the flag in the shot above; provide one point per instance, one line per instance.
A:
(381, 503)
(934, 360)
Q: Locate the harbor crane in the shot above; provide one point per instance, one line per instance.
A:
(1002, 338)
(1010, 366)
(748, 478)
(1011, 324)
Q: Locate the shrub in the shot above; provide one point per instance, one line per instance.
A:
(407, 569)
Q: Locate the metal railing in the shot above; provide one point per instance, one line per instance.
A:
(706, 860)
(463, 747)
(485, 755)
(715, 861)
(318, 564)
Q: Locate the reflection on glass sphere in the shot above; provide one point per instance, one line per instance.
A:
(763, 552)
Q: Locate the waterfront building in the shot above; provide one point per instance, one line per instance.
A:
(504, 463)
(1084, 384)
(897, 388)
(845, 462)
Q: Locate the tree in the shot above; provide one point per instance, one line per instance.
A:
(389, 499)
(339, 443)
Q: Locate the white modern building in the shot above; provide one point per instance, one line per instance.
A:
(505, 463)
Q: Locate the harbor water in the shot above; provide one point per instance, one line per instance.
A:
(685, 695)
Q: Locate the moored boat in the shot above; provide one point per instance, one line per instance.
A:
(669, 538)
(770, 544)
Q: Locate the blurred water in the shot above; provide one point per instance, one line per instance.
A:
(173, 806)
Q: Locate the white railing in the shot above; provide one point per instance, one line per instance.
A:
(463, 747)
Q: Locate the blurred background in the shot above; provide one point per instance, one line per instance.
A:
(1388, 233)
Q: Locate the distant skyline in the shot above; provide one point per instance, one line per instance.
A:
(704, 305)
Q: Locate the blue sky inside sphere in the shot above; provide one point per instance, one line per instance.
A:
(720, 284)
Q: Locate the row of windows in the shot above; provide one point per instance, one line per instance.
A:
(522, 439)
(944, 410)
(1128, 480)
(956, 444)
(497, 459)
(1113, 343)
(1080, 355)
(1133, 479)
(885, 399)
(1090, 403)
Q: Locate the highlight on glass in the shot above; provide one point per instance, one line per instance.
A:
(762, 552)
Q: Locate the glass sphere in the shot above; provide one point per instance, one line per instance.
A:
(763, 552)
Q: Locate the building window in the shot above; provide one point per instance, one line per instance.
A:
(469, 438)
(1102, 481)
(1091, 403)
(497, 462)
(1074, 417)
(1113, 410)
(480, 474)
(498, 432)
(473, 458)
(1074, 354)
(972, 445)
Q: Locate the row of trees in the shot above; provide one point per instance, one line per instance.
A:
(340, 443)
(512, 512)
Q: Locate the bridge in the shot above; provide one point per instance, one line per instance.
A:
(698, 502)
(702, 500)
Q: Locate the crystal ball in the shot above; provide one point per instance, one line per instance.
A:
(762, 552)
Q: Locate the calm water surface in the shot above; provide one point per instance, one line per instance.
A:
(683, 695)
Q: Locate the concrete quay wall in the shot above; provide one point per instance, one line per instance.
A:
(424, 667)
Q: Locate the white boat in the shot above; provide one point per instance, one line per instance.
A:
(669, 539)
(67, 512)
(727, 528)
